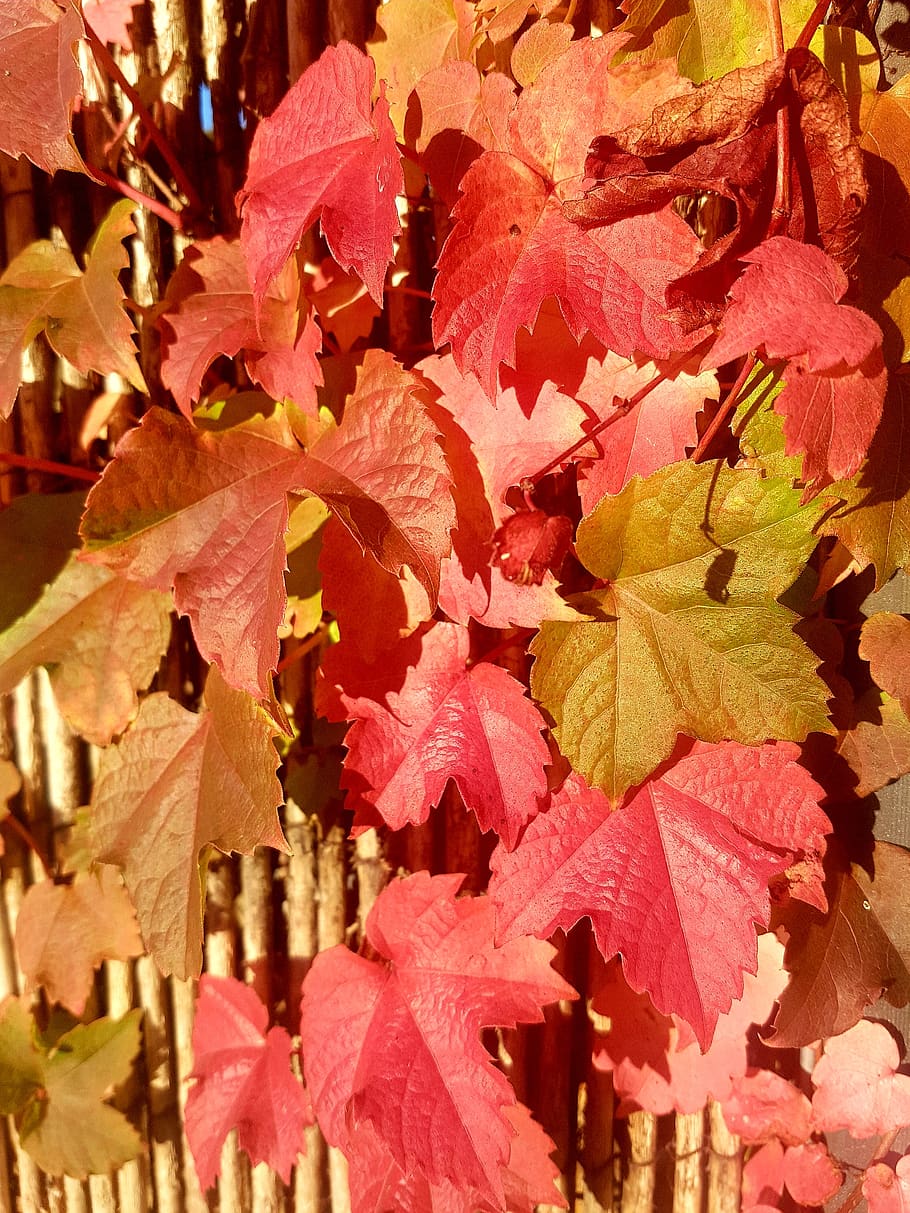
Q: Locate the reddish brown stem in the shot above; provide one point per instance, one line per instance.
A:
(30, 841)
(408, 290)
(856, 1194)
(725, 409)
(161, 209)
(302, 650)
(47, 465)
(157, 136)
(808, 30)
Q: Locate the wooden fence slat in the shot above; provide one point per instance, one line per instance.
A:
(688, 1172)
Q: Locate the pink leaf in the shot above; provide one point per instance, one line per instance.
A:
(243, 1081)
(888, 1191)
(811, 1175)
(110, 19)
(763, 1178)
(682, 869)
(857, 1086)
(210, 312)
(394, 1042)
(763, 1105)
(474, 726)
(324, 154)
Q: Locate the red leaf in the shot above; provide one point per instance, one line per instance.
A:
(204, 512)
(888, 1191)
(763, 1179)
(41, 82)
(210, 312)
(512, 245)
(324, 154)
(473, 726)
(763, 1105)
(64, 932)
(857, 1086)
(654, 1059)
(682, 869)
(394, 1042)
(491, 446)
(788, 301)
(243, 1081)
(651, 435)
(379, 1185)
(529, 543)
(811, 1175)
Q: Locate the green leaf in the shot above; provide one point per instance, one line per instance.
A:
(57, 1095)
(688, 636)
(709, 37)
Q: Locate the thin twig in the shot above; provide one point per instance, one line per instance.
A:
(408, 290)
(302, 650)
(725, 409)
(780, 210)
(157, 136)
(856, 1195)
(808, 30)
(30, 841)
(161, 209)
(47, 465)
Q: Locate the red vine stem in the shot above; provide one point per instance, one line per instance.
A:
(30, 841)
(157, 136)
(161, 209)
(725, 409)
(301, 651)
(809, 29)
(856, 1194)
(47, 465)
(780, 210)
(408, 290)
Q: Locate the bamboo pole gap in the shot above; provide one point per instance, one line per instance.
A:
(223, 24)
(165, 1163)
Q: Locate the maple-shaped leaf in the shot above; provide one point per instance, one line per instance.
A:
(395, 1041)
(763, 1105)
(474, 726)
(102, 638)
(65, 931)
(683, 869)
(110, 19)
(243, 1082)
(325, 153)
(687, 637)
(176, 783)
(461, 114)
(649, 436)
(383, 474)
(41, 82)
(887, 1190)
(56, 1093)
(874, 520)
(788, 303)
(491, 446)
(208, 310)
(512, 245)
(722, 138)
(843, 961)
(857, 1086)
(414, 36)
(81, 313)
(378, 1182)
(204, 511)
(885, 644)
(656, 1063)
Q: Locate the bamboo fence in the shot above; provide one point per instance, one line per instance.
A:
(269, 914)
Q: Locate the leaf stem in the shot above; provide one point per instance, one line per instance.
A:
(302, 649)
(47, 465)
(408, 290)
(725, 409)
(161, 209)
(856, 1195)
(815, 20)
(30, 841)
(157, 136)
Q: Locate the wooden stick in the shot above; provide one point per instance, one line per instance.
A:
(688, 1176)
(639, 1182)
(724, 1164)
